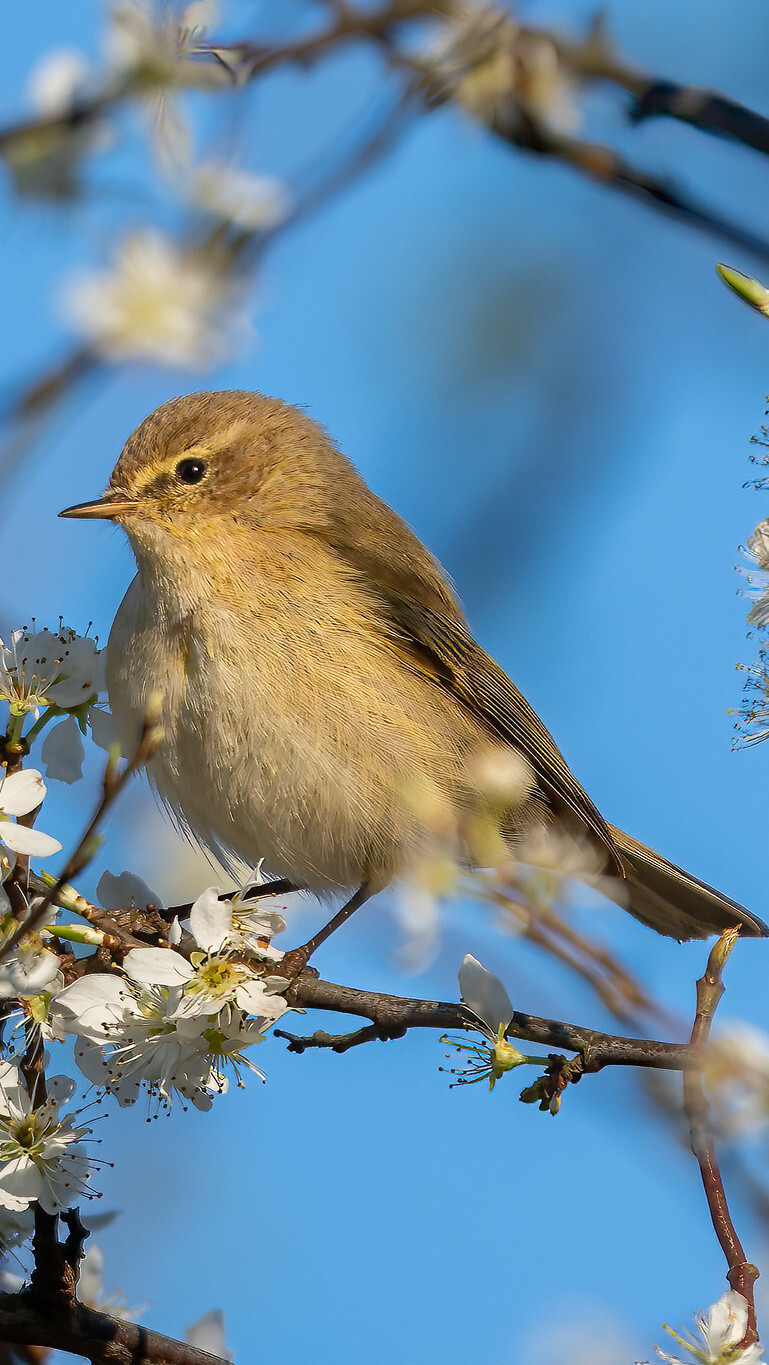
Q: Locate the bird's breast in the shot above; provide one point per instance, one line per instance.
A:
(293, 736)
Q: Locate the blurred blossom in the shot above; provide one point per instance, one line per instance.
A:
(159, 302)
(552, 857)
(58, 81)
(494, 68)
(253, 202)
(148, 42)
(722, 1329)
(91, 1292)
(44, 161)
(737, 1073)
(152, 52)
(207, 1334)
(124, 892)
(62, 753)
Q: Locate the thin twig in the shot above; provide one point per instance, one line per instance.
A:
(742, 1274)
(339, 1042)
(112, 786)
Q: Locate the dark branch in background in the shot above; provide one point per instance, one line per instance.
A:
(742, 1274)
(603, 164)
(97, 1336)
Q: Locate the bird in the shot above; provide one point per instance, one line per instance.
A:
(325, 707)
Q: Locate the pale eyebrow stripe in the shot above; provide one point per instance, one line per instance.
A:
(217, 442)
(219, 439)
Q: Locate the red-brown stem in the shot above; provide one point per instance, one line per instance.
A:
(742, 1274)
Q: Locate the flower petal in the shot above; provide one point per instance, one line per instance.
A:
(22, 792)
(30, 841)
(210, 920)
(484, 994)
(63, 752)
(726, 1323)
(157, 966)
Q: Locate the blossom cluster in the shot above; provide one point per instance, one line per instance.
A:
(179, 1024)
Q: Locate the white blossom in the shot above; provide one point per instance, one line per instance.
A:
(21, 793)
(129, 1034)
(207, 1334)
(91, 1292)
(158, 302)
(722, 1329)
(213, 977)
(487, 1000)
(491, 65)
(125, 891)
(249, 201)
(62, 753)
(41, 1156)
(42, 668)
(147, 41)
(29, 971)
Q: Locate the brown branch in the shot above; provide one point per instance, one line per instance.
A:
(742, 1274)
(100, 1338)
(340, 1042)
(393, 1014)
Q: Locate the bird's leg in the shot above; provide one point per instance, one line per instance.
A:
(296, 960)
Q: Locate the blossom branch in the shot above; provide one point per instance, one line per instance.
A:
(742, 1274)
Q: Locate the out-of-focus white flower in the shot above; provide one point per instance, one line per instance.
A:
(737, 1073)
(208, 1334)
(58, 80)
(158, 303)
(151, 44)
(15, 1227)
(63, 752)
(44, 160)
(249, 201)
(487, 1000)
(153, 52)
(42, 668)
(90, 1288)
(41, 1156)
(494, 67)
(124, 892)
(722, 1329)
(21, 793)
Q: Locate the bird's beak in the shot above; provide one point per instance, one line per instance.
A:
(111, 505)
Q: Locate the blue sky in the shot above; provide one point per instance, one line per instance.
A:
(553, 388)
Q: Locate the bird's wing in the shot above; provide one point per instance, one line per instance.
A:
(446, 652)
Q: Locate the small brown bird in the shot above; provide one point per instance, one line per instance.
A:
(325, 706)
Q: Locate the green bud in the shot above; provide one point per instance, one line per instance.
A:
(750, 290)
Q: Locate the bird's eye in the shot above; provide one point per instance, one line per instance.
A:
(191, 471)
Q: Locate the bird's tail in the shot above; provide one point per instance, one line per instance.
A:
(673, 901)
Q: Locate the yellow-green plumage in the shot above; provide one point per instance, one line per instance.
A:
(324, 703)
